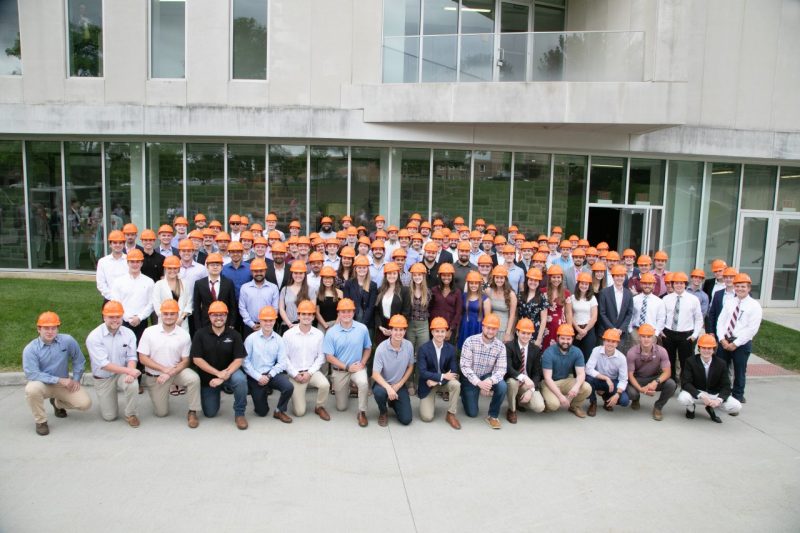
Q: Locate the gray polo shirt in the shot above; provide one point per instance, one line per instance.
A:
(391, 363)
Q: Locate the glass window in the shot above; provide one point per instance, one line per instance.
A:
(250, 39)
(288, 167)
(124, 188)
(758, 187)
(85, 38)
(368, 184)
(682, 214)
(441, 17)
(722, 201)
(569, 193)
(439, 52)
(492, 188)
(10, 49)
(247, 181)
(45, 198)
(84, 178)
(531, 193)
(789, 190)
(477, 59)
(164, 163)
(13, 243)
(646, 182)
(412, 168)
(548, 18)
(607, 180)
(205, 177)
(451, 184)
(167, 38)
(400, 18)
(400, 59)
(477, 16)
(328, 183)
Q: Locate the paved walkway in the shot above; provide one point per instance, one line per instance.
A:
(789, 317)
(620, 471)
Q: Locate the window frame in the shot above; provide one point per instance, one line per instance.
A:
(150, 76)
(230, 45)
(68, 51)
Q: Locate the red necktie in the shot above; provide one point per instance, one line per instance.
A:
(213, 290)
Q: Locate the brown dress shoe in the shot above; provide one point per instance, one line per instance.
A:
(493, 422)
(283, 417)
(362, 419)
(241, 422)
(322, 413)
(577, 411)
(383, 420)
(133, 421)
(453, 421)
(592, 409)
(42, 429)
(59, 411)
(511, 416)
(657, 414)
(191, 416)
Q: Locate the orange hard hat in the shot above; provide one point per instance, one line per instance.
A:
(222, 237)
(491, 321)
(135, 255)
(646, 330)
(116, 236)
(361, 261)
(214, 258)
(439, 323)
(717, 265)
(534, 273)
(148, 235)
(555, 270)
(398, 321)
(661, 255)
(698, 273)
(298, 266)
(235, 246)
(390, 267)
(647, 277)
(217, 307)
(599, 266)
(48, 319)
(257, 264)
(186, 245)
(473, 277)
(707, 341)
(113, 308)
(345, 304)
(268, 313)
(499, 270)
(485, 260)
(680, 277)
(327, 272)
(172, 262)
(584, 277)
(418, 268)
(742, 278)
(618, 270)
(306, 307)
(169, 306)
(526, 325)
(565, 330)
(130, 228)
(446, 268)
(611, 334)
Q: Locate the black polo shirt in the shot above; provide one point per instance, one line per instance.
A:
(153, 266)
(217, 351)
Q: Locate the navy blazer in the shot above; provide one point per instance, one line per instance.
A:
(714, 310)
(428, 369)
(607, 311)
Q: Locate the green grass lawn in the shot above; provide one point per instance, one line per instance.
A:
(778, 344)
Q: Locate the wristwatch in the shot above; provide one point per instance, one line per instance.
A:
(658, 381)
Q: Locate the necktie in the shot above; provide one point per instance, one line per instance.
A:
(213, 290)
(524, 358)
(643, 312)
(676, 313)
(734, 318)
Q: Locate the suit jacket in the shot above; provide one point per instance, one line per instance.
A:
(569, 279)
(202, 255)
(533, 366)
(202, 299)
(272, 278)
(429, 369)
(364, 300)
(444, 257)
(608, 317)
(714, 310)
(433, 274)
(693, 377)
(401, 305)
(708, 286)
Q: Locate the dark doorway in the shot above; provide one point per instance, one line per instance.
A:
(603, 226)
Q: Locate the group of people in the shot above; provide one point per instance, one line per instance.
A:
(450, 312)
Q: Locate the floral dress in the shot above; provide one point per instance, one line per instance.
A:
(555, 317)
(533, 310)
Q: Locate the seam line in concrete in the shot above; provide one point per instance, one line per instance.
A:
(403, 480)
(748, 424)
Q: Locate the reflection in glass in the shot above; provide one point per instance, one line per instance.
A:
(328, 183)
(684, 192)
(414, 166)
(569, 193)
(400, 59)
(646, 181)
(477, 59)
(85, 37)
(13, 246)
(124, 190)
(758, 187)
(721, 201)
(751, 261)
(784, 280)
(287, 184)
(46, 206)
(370, 174)
(789, 190)
(249, 40)
(477, 16)
(401, 18)
(451, 184)
(164, 164)
(167, 38)
(247, 181)
(439, 58)
(440, 17)
(531, 193)
(548, 18)
(83, 171)
(10, 49)
(492, 188)
(607, 180)
(205, 177)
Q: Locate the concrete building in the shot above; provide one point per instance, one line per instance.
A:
(651, 124)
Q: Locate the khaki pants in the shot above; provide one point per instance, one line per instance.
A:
(106, 390)
(36, 392)
(427, 404)
(319, 382)
(159, 393)
(564, 385)
(535, 404)
(341, 387)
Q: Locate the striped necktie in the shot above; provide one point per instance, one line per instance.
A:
(643, 313)
(676, 313)
(734, 318)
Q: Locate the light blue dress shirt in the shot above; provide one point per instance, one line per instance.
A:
(49, 362)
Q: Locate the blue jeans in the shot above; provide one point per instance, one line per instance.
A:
(601, 386)
(401, 406)
(739, 359)
(209, 396)
(470, 395)
(279, 383)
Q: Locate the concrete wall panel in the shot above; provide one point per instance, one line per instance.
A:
(126, 52)
(44, 55)
(721, 63)
(785, 99)
(208, 46)
(290, 57)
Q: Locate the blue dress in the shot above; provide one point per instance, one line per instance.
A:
(470, 319)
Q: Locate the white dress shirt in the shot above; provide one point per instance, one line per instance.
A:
(303, 350)
(108, 270)
(746, 325)
(191, 274)
(105, 348)
(690, 316)
(135, 294)
(655, 315)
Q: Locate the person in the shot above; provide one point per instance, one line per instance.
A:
(649, 371)
(720, 298)
(695, 287)
(362, 291)
(560, 310)
(559, 361)
(45, 363)
(647, 308)
(683, 321)
(615, 305)
(524, 372)
(516, 276)
(445, 302)
(164, 353)
(276, 270)
(607, 373)
(705, 381)
(327, 299)
(172, 288)
(392, 299)
(462, 266)
(438, 372)
(502, 302)
(153, 265)
(135, 292)
(210, 289)
(191, 270)
(237, 270)
(584, 314)
(112, 266)
(716, 283)
(483, 367)
(112, 354)
(255, 295)
(660, 259)
(738, 324)
(598, 277)
(472, 314)
(305, 359)
(265, 366)
(294, 292)
(533, 305)
(392, 367)
(165, 248)
(346, 270)
(347, 348)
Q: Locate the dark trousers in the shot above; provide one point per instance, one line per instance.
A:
(667, 389)
(138, 331)
(401, 406)
(470, 394)
(586, 344)
(209, 396)
(601, 386)
(738, 358)
(279, 383)
(678, 343)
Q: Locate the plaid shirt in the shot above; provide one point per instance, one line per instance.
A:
(479, 359)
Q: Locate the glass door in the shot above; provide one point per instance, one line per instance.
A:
(783, 285)
(752, 249)
(515, 43)
(625, 227)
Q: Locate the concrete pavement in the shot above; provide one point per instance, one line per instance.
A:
(789, 317)
(620, 471)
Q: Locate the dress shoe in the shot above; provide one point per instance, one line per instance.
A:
(733, 414)
(453, 421)
(608, 407)
(362, 419)
(322, 413)
(657, 414)
(191, 416)
(577, 411)
(742, 399)
(383, 419)
(133, 421)
(42, 429)
(511, 416)
(592, 409)
(493, 422)
(713, 415)
(283, 417)
(690, 414)
(635, 405)
(59, 411)
(353, 390)
(241, 422)
(446, 396)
